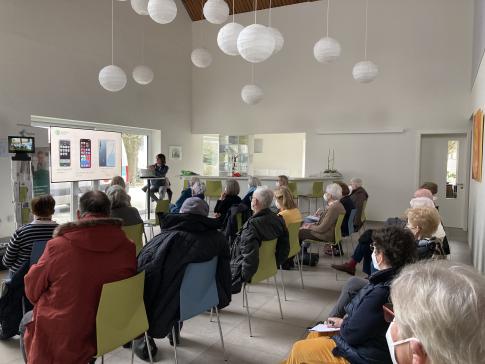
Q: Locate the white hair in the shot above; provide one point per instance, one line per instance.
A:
(442, 304)
(335, 190)
(421, 202)
(264, 195)
(118, 197)
(197, 188)
(253, 181)
(356, 181)
(194, 179)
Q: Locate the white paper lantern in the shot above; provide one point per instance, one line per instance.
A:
(162, 11)
(278, 38)
(256, 43)
(112, 78)
(201, 58)
(252, 94)
(227, 38)
(140, 6)
(326, 50)
(143, 75)
(216, 11)
(365, 71)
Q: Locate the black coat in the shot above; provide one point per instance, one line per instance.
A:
(222, 206)
(184, 239)
(348, 206)
(362, 338)
(263, 226)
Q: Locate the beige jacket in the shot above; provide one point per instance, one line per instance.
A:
(324, 229)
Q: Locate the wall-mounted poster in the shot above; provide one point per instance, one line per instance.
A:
(175, 152)
(477, 157)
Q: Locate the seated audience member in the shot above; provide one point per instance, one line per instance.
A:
(41, 228)
(439, 310)
(362, 251)
(116, 181)
(194, 189)
(348, 204)
(229, 197)
(433, 188)
(121, 207)
(282, 181)
(287, 206)
(253, 183)
(423, 222)
(358, 196)
(362, 335)
(188, 237)
(263, 225)
(324, 229)
(65, 285)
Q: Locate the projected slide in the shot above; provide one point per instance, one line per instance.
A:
(83, 155)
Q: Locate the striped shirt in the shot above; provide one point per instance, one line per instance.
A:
(20, 245)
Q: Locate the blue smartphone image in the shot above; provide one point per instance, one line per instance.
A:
(107, 153)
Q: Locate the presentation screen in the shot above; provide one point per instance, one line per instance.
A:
(83, 155)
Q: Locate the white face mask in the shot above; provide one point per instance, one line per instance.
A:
(325, 197)
(277, 204)
(392, 345)
(350, 189)
(374, 261)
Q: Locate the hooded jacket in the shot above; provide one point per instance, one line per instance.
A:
(184, 239)
(65, 287)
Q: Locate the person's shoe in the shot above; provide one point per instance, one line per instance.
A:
(346, 267)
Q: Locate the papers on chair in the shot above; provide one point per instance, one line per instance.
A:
(324, 328)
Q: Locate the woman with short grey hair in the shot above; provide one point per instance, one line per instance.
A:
(439, 314)
(121, 206)
(229, 198)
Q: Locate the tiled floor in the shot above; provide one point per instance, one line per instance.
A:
(273, 337)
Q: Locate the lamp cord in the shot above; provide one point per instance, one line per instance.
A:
(255, 8)
(252, 73)
(365, 42)
(112, 32)
(269, 14)
(233, 10)
(328, 15)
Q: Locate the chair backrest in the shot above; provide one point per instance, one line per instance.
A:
(292, 186)
(213, 188)
(293, 230)
(338, 228)
(186, 183)
(135, 234)
(162, 207)
(38, 248)
(267, 261)
(317, 189)
(198, 292)
(351, 221)
(239, 221)
(363, 218)
(121, 313)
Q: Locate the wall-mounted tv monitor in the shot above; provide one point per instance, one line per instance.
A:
(20, 144)
(84, 155)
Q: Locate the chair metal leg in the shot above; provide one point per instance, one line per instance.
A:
(278, 294)
(283, 283)
(174, 345)
(132, 351)
(300, 269)
(212, 310)
(247, 310)
(149, 348)
(220, 333)
(102, 359)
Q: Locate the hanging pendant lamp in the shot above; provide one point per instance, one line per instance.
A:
(251, 93)
(278, 37)
(162, 11)
(365, 71)
(142, 74)
(227, 36)
(216, 11)
(140, 6)
(112, 78)
(327, 49)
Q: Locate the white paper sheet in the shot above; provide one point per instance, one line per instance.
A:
(324, 328)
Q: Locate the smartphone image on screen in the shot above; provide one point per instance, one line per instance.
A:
(64, 153)
(85, 153)
(107, 155)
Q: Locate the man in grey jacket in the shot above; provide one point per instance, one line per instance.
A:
(264, 225)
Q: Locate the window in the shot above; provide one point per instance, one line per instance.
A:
(452, 169)
(210, 155)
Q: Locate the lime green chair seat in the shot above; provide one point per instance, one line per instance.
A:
(295, 248)
(162, 206)
(266, 269)
(135, 234)
(293, 187)
(213, 188)
(317, 192)
(239, 221)
(121, 315)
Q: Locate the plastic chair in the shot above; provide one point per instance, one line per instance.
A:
(135, 234)
(363, 217)
(351, 229)
(163, 206)
(198, 293)
(317, 192)
(239, 221)
(295, 248)
(186, 183)
(121, 316)
(213, 190)
(267, 268)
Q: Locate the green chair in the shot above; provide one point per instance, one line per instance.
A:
(295, 249)
(121, 316)
(317, 192)
(267, 268)
(363, 217)
(135, 234)
(186, 184)
(163, 206)
(293, 187)
(239, 221)
(213, 189)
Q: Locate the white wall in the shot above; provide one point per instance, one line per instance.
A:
(476, 214)
(52, 51)
(423, 49)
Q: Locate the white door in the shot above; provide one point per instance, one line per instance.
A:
(443, 161)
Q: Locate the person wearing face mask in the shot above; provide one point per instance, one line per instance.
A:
(282, 181)
(428, 326)
(362, 335)
(358, 195)
(253, 183)
(423, 223)
(324, 228)
(286, 206)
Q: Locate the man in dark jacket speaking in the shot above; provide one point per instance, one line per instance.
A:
(188, 237)
(264, 225)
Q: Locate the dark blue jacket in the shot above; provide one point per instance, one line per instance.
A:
(348, 206)
(362, 338)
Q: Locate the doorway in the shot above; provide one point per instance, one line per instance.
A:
(444, 159)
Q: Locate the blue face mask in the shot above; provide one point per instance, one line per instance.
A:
(374, 261)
